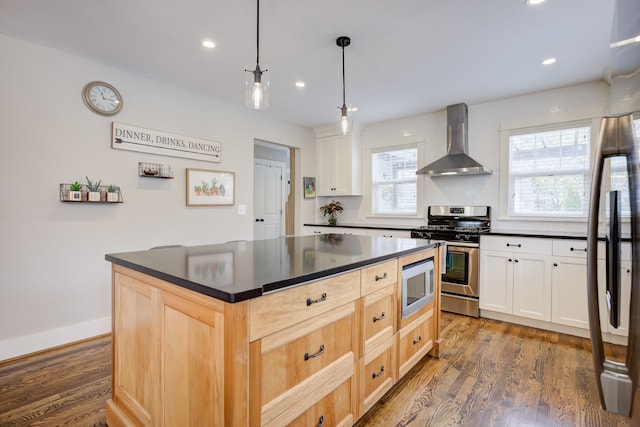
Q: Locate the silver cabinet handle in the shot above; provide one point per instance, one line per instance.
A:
(519, 245)
(308, 356)
(378, 374)
(382, 316)
(578, 249)
(384, 276)
(315, 301)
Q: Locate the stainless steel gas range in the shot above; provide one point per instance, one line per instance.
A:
(460, 227)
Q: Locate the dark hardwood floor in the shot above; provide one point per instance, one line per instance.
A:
(490, 374)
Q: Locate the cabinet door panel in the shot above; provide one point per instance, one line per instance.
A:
(570, 292)
(496, 281)
(415, 340)
(532, 286)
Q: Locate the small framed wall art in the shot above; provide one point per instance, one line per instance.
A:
(309, 187)
(210, 188)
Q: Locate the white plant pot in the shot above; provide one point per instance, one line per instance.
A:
(74, 196)
(93, 196)
(112, 197)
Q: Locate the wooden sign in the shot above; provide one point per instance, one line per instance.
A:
(131, 138)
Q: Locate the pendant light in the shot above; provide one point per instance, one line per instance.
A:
(257, 82)
(344, 113)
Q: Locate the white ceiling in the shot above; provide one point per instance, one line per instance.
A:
(406, 57)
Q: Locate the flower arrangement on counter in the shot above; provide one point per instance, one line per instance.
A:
(332, 210)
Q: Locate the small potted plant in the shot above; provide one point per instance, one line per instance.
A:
(75, 192)
(94, 190)
(332, 210)
(112, 194)
(198, 189)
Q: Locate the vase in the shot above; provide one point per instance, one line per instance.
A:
(333, 220)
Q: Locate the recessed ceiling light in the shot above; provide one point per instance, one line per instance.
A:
(548, 61)
(208, 44)
(533, 2)
(406, 133)
(300, 84)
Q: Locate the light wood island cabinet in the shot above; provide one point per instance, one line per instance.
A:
(319, 353)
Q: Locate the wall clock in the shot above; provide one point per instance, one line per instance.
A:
(102, 98)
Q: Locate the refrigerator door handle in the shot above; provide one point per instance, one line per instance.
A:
(615, 380)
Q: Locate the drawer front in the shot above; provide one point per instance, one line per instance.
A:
(516, 244)
(570, 248)
(335, 409)
(415, 340)
(280, 310)
(378, 322)
(332, 400)
(378, 376)
(378, 276)
(286, 366)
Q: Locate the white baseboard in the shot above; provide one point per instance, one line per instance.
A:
(27, 344)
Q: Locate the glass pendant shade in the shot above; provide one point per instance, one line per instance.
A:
(257, 88)
(344, 122)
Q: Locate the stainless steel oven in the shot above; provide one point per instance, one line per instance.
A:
(460, 227)
(459, 289)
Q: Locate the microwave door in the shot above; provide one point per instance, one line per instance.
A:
(616, 381)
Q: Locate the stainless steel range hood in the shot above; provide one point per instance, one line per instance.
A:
(456, 162)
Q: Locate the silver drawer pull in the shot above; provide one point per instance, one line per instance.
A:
(378, 374)
(308, 356)
(321, 421)
(418, 341)
(578, 249)
(382, 316)
(314, 301)
(384, 276)
(519, 245)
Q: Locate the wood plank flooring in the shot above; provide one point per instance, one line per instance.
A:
(490, 374)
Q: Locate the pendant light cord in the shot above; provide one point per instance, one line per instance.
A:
(258, 33)
(343, 85)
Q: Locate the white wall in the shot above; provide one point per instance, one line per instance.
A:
(485, 121)
(55, 281)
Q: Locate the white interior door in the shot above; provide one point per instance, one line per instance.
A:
(268, 182)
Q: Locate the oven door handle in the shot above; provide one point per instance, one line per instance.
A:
(443, 258)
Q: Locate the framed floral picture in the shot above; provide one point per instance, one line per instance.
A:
(309, 187)
(210, 188)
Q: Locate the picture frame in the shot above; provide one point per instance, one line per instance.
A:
(210, 187)
(309, 187)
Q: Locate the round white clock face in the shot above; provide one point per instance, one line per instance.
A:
(102, 98)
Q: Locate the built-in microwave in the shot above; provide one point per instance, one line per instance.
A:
(417, 285)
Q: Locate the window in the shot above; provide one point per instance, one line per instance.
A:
(394, 182)
(619, 176)
(549, 171)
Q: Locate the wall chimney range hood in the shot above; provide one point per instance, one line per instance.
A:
(456, 162)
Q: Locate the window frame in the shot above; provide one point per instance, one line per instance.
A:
(371, 183)
(505, 177)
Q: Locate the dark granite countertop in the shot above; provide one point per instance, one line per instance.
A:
(367, 226)
(238, 271)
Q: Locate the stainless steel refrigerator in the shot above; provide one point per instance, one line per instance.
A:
(614, 216)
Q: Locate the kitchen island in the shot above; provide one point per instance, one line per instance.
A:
(291, 331)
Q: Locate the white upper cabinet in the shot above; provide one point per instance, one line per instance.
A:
(338, 166)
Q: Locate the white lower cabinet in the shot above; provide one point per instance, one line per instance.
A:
(548, 283)
(570, 306)
(516, 283)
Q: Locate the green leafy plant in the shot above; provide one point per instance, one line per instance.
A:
(332, 210)
(112, 189)
(93, 186)
(76, 186)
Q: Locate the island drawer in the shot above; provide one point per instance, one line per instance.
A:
(378, 276)
(334, 409)
(281, 310)
(287, 358)
(415, 340)
(378, 317)
(378, 374)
